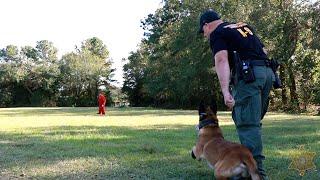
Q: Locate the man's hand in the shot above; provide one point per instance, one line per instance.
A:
(228, 99)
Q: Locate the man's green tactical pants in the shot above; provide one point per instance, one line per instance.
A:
(251, 104)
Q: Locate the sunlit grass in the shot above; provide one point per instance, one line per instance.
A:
(138, 143)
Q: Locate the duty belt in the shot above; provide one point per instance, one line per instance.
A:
(260, 63)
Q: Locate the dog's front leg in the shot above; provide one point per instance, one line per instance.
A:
(192, 154)
(196, 152)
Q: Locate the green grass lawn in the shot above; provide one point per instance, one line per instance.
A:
(134, 143)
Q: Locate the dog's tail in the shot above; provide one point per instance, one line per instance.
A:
(252, 167)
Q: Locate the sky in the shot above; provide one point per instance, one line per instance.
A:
(67, 23)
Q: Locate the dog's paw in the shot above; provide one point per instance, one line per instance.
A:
(192, 155)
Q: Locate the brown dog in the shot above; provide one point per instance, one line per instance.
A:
(226, 158)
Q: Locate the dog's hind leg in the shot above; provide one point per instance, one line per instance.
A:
(221, 170)
(230, 168)
(221, 178)
(252, 167)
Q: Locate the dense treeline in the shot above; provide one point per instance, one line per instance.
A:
(173, 64)
(34, 76)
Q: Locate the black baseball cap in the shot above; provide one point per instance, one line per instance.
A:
(207, 17)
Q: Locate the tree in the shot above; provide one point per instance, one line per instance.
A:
(29, 74)
(177, 63)
(283, 36)
(83, 72)
(134, 75)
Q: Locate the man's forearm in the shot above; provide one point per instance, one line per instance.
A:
(223, 72)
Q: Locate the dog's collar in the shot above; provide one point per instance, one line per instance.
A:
(207, 122)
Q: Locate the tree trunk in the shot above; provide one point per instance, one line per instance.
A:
(293, 89)
(290, 39)
(283, 89)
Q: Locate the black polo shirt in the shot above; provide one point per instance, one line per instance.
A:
(237, 37)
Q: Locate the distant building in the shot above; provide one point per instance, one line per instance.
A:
(121, 103)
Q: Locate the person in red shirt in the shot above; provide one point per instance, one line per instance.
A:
(102, 103)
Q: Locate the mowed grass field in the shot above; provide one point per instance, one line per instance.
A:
(135, 143)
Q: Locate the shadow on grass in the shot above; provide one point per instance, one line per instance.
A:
(129, 148)
(90, 111)
(160, 152)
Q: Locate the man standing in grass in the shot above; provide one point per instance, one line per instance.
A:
(236, 47)
(102, 103)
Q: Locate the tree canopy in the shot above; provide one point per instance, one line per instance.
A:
(35, 76)
(173, 65)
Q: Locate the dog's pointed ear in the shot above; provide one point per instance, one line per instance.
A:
(213, 106)
(202, 108)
